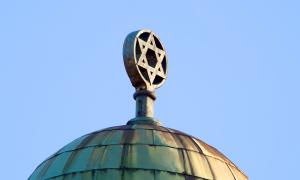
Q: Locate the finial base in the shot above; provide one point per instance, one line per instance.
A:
(144, 103)
(144, 120)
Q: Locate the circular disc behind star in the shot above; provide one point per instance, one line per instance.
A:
(145, 60)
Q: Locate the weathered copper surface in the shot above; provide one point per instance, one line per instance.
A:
(142, 149)
(136, 152)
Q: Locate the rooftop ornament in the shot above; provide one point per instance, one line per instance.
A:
(146, 65)
(143, 148)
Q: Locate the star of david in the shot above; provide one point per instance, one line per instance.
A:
(144, 60)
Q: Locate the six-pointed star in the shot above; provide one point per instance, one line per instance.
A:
(159, 56)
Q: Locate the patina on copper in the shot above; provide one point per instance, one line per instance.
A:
(137, 152)
(142, 149)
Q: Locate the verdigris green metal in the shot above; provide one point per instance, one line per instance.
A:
(142, 149)
(136, 152)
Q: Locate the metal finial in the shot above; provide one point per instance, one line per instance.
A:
(146, 65)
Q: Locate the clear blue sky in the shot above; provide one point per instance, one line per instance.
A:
(234, 77)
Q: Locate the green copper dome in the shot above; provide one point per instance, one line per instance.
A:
(142, 149)
(136, 152)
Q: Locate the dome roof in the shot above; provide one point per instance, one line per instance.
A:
(135, 152)
(142, 149)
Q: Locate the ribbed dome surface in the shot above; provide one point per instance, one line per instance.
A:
(137, 152)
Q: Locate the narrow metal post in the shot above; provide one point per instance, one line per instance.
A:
(144, 103)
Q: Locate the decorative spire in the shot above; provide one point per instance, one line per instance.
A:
(146, 65)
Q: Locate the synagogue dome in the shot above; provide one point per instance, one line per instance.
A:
(142, 149)
(137, 151)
